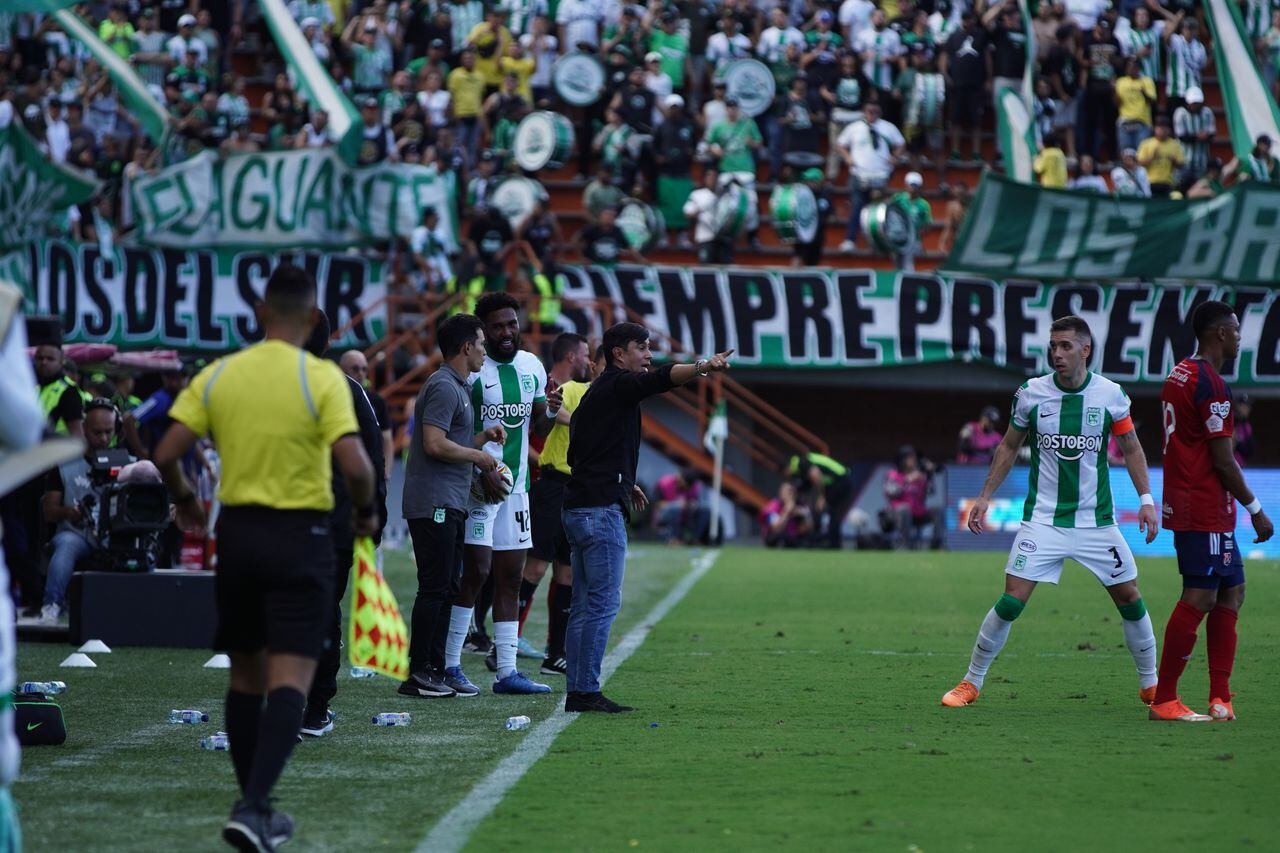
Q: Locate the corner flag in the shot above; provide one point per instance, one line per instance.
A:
(378, 639)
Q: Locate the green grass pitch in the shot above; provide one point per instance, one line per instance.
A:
(790, 700)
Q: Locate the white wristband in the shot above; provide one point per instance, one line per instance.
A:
(1254, 508)
(1146, 500)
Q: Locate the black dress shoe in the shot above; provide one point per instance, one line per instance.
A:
(578, 702)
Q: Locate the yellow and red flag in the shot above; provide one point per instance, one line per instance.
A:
(379, 639)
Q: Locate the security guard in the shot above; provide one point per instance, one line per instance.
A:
(277, 414)
(831, 487)
(60, 398)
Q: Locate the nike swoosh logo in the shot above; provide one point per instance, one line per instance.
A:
(494, 385)
(1047, 414)
(33, 726)
(1147, 649)
(983, 649)
(1117, 574)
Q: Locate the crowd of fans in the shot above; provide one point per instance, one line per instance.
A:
(868, 93)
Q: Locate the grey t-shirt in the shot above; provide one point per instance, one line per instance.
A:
(429, 484)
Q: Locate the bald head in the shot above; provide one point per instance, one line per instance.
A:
(355, 365)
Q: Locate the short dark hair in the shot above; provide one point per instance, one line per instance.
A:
(1072, 323)
(564, 345)
(621, 334)
(318, 342)
(491, 302)
(290, 290)
(1208, 315)
(457, 331)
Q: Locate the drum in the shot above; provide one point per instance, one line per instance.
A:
(578, 79)
(751, 83)
(641, 224)
(801, 160)
(732, 212)
(795, 213)
(516, 198)
(889, 226)
(542, 139)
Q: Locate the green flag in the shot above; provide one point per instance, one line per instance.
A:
(32, 188)
(717, 428)
(142, 104)
(1251, 111)
(1017, 136)
(313, 79)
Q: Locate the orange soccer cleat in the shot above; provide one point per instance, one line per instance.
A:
(1174, 711)
(1148, 695)
(1220, 710)
(962, 694)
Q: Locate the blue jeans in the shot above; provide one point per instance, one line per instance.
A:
(598, 544)
(69, 548)
(1132, 135)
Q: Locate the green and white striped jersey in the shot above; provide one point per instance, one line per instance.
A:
(1135, 40)
(1186, 60)
(1068, 431)
(503, 394)
(1257, 16)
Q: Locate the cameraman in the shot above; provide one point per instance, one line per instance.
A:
(67, 487)
(906, 491)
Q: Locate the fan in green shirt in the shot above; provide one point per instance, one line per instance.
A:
(732, 139)
(674, 48)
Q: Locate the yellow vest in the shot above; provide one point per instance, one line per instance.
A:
(471, 290)
(50, 395)
(549, 291)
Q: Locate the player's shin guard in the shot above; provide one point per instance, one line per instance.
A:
(1179, 641)
(504, 644)
(1220, 643)
(1140, 637)
(992, 636)
(459, 625)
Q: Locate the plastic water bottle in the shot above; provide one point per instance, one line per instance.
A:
(516, 723)
(48, 688)
(217, 742)
(391, 718)
(189, 718)
(361, 672)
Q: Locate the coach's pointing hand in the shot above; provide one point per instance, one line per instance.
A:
(718, 363)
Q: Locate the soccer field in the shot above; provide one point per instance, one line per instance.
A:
(790, 699)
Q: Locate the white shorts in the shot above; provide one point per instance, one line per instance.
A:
(1040, 549)
(502, 527)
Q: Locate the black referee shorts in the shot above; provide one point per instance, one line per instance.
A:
(275, 581)
(546, 500)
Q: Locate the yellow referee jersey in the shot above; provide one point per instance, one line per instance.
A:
(555, 450)
(275, 412)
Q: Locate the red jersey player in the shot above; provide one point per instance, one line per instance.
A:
(1202, 482)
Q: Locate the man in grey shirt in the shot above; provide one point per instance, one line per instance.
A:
(436, 483)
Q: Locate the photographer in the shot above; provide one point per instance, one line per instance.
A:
(786, 521)
(906, 490)
(64, 505)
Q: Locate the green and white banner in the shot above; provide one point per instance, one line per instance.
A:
(313, 79)
(150, 113)
(1017, 229)
(195, 300)
(32, 188)
(287, 199)
(1017, 136)
(1251, 111)
(840, 319)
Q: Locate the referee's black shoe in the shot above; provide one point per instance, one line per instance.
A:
(576, 702)
(426, 683)
(250, 830)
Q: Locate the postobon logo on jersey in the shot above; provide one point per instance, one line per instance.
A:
(1069, 447)
(508, 414)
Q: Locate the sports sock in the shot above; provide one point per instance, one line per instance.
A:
(560, 598)
(1179, 640)
(991, 637)
(527, 590)
(484, 601)
(504, 641)
(277, 733)
(1140, 637)
(459, 625)
(1220, 643)
(243, 716)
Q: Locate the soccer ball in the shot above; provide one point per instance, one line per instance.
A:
(500, 477)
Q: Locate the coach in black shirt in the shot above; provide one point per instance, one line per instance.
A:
(604, 448)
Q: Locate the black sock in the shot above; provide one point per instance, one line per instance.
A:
(281, 721)
(483, 602)
(562, 597)
(527, 591)
(243, 716)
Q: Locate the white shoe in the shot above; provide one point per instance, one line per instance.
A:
(846, 246)
(49, 614)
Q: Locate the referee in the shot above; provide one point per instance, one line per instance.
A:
(604, 448)
(277, 414)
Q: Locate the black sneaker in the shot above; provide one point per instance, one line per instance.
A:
(477, 643)
(281, 828)
(426, 684)
(577, 702)
(491, 659)
(554, 666)
(318, 725)
(249, 828)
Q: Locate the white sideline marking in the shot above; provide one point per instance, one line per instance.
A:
(452, 830)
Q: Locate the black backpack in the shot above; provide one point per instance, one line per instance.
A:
(37, 719)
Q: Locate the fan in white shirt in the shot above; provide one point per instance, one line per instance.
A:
(772, 47)
(854, 16)
(727, 45)
(701, 207)
(869, 146)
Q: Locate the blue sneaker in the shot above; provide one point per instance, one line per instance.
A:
(457, 679)
(526, 649)
(517, 683)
